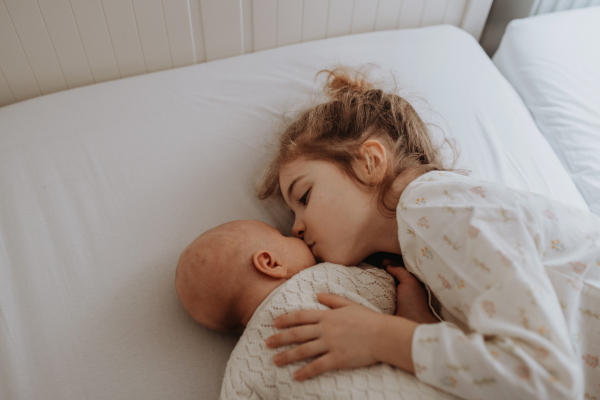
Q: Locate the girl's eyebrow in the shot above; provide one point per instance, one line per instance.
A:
(289, 191)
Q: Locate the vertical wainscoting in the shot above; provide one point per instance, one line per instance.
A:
(502, 12)
(52, 45)
(548, 6)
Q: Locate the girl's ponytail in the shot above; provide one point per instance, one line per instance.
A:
(342, 82)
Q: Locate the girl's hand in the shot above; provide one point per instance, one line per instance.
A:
(412, 299)
(342, 337)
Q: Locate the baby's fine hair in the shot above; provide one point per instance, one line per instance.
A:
(334, 131)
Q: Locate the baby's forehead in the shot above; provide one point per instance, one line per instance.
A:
(248, 229)
(235, 235)
(217, 244)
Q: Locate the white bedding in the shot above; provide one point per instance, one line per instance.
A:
(553, 61)
(101, 187)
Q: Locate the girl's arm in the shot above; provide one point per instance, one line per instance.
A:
(400, 332)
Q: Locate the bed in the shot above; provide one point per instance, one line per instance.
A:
(101, 188)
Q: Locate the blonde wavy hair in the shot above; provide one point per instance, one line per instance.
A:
(334, 131)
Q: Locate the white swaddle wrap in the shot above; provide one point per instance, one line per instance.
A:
(251, 373)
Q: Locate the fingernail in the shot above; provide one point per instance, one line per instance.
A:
(269, 342)
(276, 360)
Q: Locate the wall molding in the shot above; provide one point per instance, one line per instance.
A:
(52, 45)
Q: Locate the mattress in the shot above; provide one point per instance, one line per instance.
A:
(553, 61)
(102, 187)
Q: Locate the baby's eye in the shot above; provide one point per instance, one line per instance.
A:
(303, 199)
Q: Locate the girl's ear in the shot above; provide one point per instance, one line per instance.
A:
(373, 167)
(265, 262)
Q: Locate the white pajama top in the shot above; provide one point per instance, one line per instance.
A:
(518, 274)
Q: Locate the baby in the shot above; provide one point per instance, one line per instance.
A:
(243, 274)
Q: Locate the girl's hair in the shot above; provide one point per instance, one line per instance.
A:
(335, 131)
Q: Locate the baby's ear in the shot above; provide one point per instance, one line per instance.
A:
(265, 262)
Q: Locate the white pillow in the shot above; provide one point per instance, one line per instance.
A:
(553, 61)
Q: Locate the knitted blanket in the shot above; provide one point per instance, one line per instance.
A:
(251, 373)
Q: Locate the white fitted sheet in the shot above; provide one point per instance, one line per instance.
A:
(101, 188)
(553, 61)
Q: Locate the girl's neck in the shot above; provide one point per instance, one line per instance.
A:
(403, 180)
(386, 228)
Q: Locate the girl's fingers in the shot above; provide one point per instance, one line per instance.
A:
(307, 350)
(333, 300)
(322, 364)
(388, 262)
(400, 273)
(299, 334)
(297, 318)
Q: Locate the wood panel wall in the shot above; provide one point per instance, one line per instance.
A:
(548, 6)
(52, 45)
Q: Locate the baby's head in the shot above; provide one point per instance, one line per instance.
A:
(226, 272)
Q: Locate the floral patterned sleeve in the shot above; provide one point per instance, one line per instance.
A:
(477, 248)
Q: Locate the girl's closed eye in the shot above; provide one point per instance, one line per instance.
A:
(304, 199)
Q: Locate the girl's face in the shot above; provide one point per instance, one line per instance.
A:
(332, 214)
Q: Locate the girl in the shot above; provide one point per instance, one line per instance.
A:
(517, 274)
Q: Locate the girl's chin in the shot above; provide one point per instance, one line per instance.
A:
(335, 259)
(317, 258)
(322, 255)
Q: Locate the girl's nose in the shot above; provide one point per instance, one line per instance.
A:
(298, 230)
